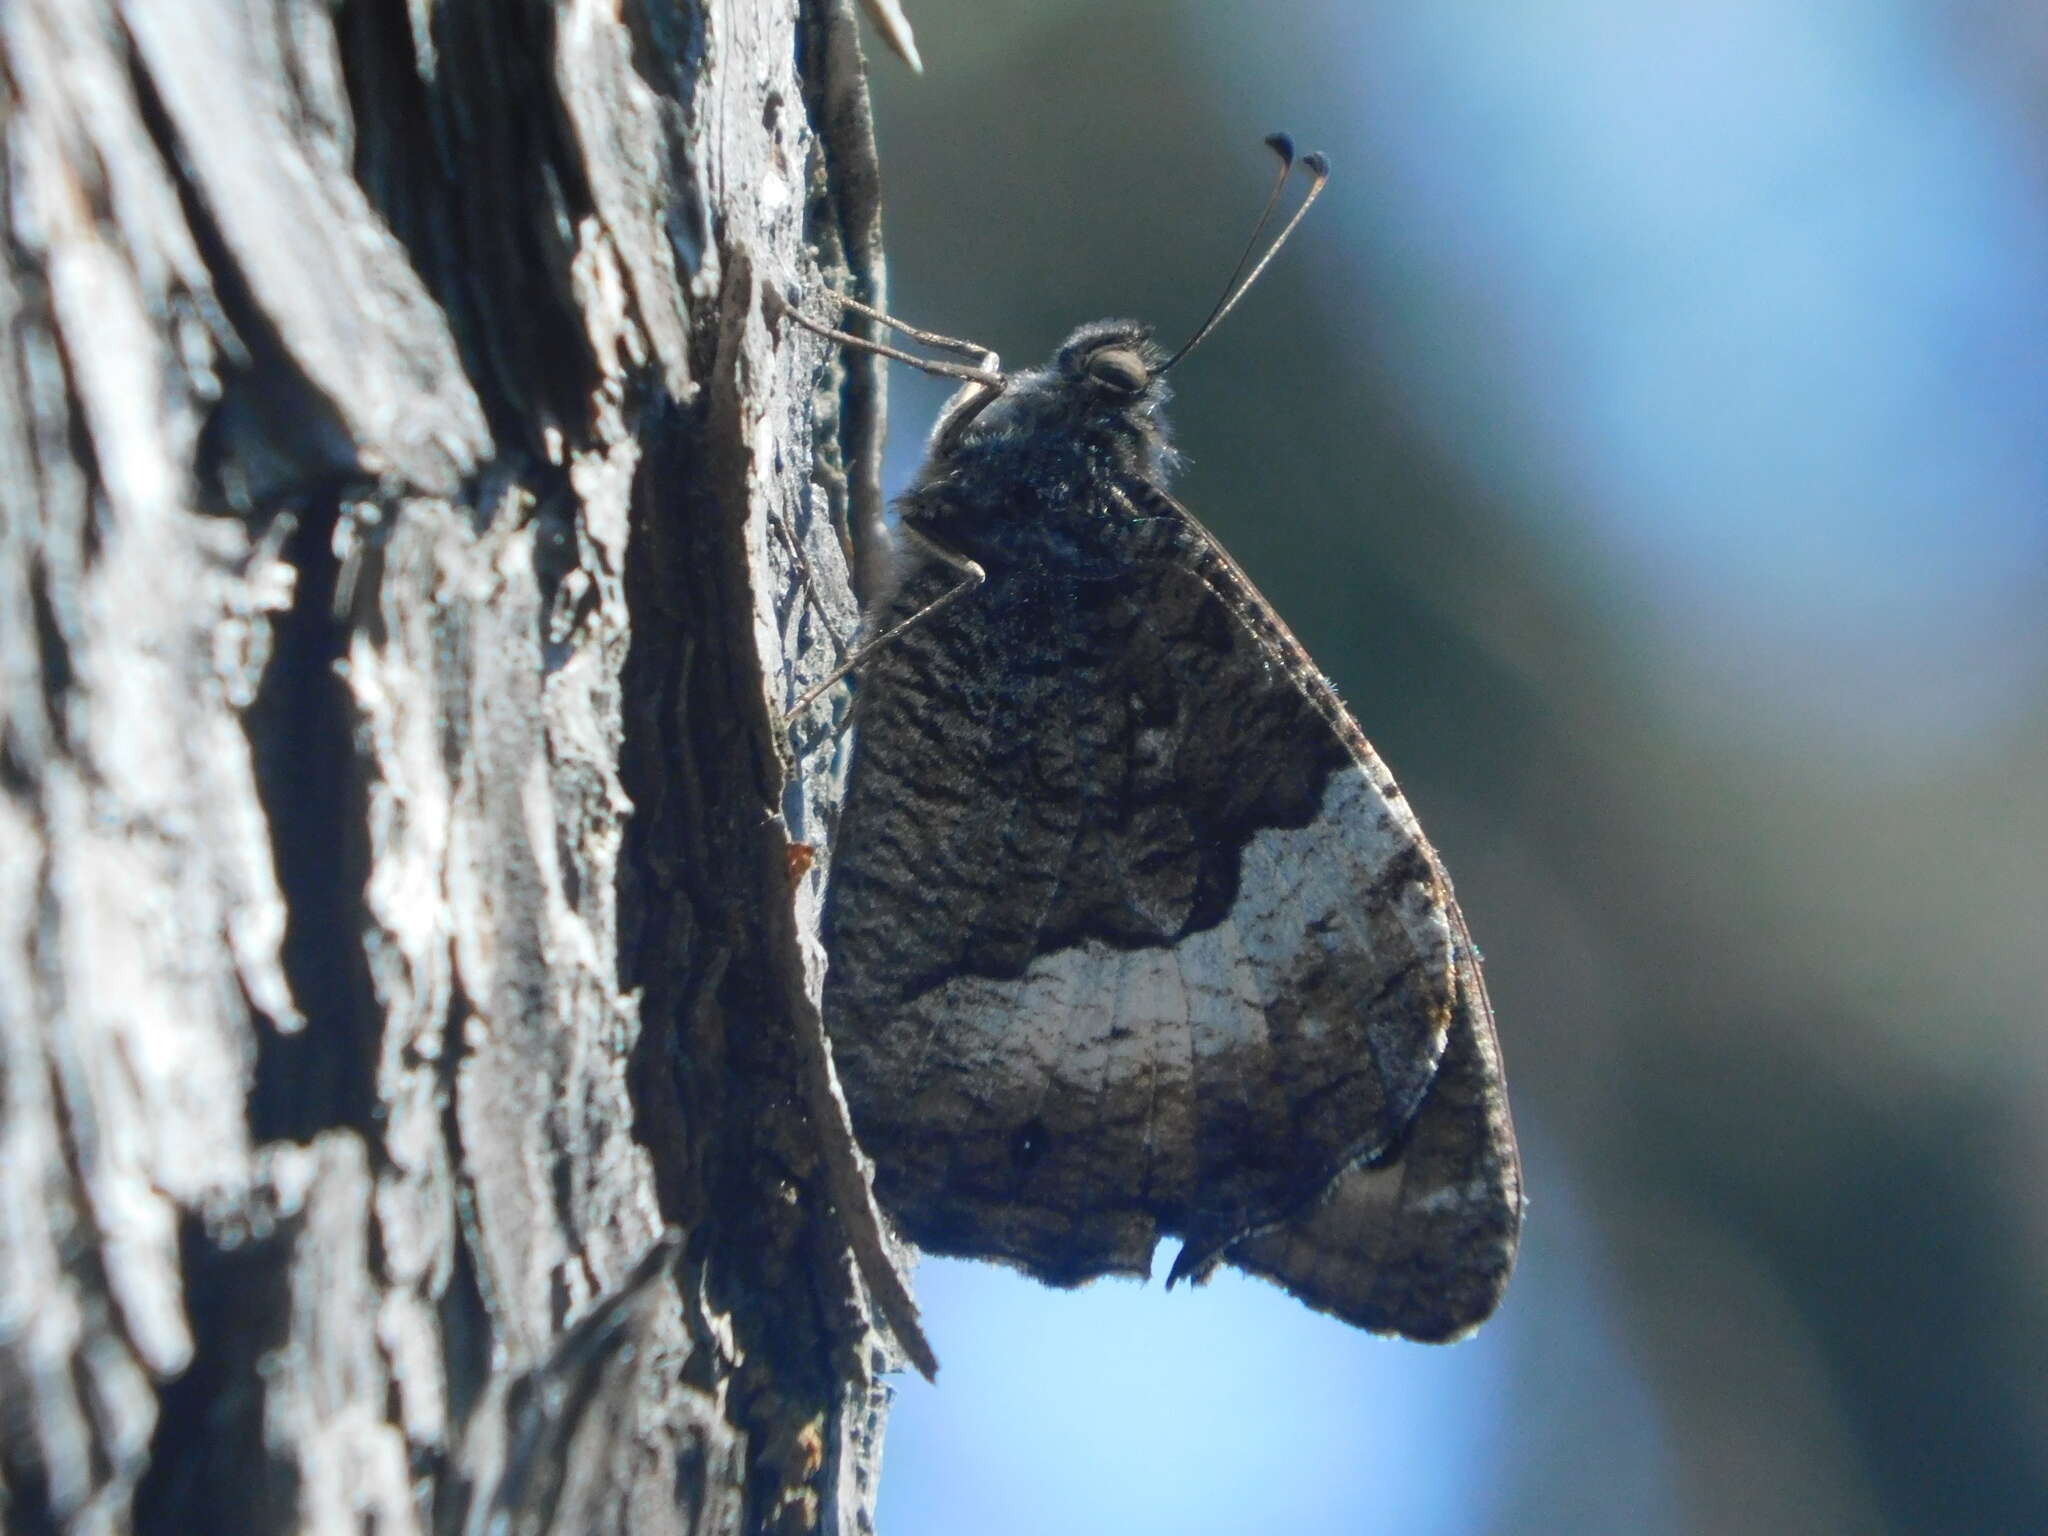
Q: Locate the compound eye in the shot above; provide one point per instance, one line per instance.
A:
(1119, 368)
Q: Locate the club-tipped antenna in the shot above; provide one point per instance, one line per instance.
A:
(1282, 144)
(1234, 289)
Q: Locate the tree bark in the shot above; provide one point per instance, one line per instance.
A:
(413, 523)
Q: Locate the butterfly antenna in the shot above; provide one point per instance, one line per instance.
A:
(1282, 145)
(1234, 289)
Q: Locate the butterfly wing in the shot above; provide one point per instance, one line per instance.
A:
(1131, 931)
(1419, 1241)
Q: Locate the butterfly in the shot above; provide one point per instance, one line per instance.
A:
(1130, 932)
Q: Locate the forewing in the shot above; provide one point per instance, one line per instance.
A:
(1131, 932)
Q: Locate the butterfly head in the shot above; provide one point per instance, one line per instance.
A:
(1114, 363)
(1105, 386)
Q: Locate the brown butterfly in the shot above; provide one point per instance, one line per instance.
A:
(1131, 933)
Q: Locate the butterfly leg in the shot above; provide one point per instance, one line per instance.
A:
(972, 575)
(966, 403)
(974, 349)
(988, 378)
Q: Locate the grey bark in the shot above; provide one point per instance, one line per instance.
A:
(413, 1110)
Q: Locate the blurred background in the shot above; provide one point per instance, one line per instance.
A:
(1646, 434)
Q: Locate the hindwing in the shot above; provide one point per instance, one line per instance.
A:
(1133, 934)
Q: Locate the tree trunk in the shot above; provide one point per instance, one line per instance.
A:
(414, 1105)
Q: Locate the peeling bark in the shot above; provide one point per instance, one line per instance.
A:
(413, 1111)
